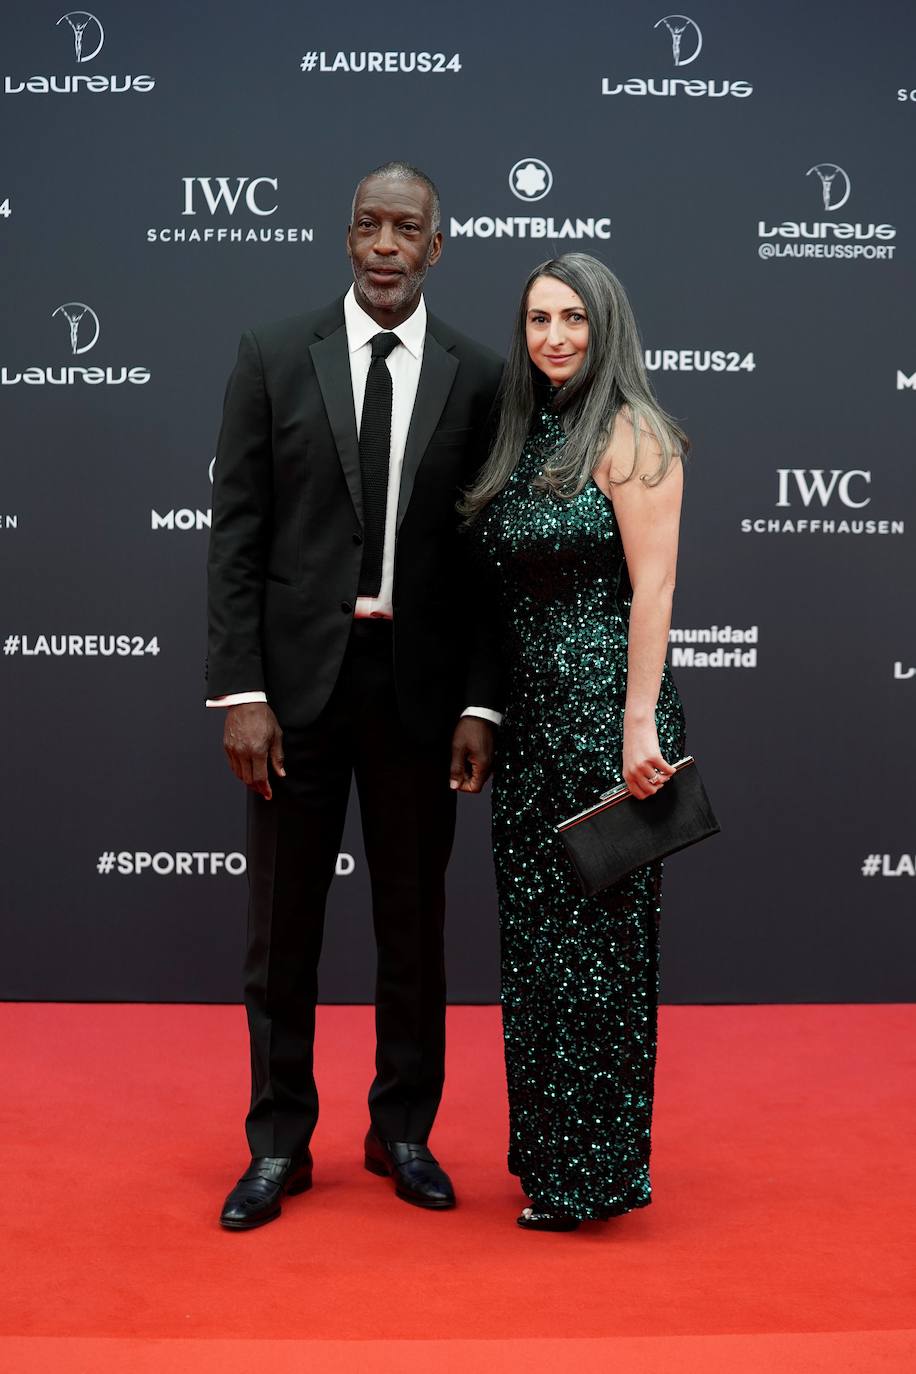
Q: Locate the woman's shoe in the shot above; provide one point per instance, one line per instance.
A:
(540, 1219)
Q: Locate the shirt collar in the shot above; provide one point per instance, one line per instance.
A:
(362, 327)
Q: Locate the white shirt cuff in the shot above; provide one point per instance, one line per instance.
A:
(240, 698)
(494, 717)
(237, 699)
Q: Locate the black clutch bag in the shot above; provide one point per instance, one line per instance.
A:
(619, 832)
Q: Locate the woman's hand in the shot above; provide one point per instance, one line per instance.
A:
(645, 772)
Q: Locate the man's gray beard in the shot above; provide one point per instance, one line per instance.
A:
(390, 297)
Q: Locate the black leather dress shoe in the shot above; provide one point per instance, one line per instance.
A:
(417, 1176)
(255, 1199)
(542, 1219)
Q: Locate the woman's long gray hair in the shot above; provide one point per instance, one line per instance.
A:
(612, 376)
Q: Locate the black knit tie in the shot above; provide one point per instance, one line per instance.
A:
(374, 454)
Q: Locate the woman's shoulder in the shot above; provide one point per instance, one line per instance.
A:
(625, 415)
(633, 448)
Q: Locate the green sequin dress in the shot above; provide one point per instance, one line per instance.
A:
(579, 975)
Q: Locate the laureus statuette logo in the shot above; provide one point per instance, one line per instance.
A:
(74, 312)
(835, 184)
(681, 27)
(86, 31)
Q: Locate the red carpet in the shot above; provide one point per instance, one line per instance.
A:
(781, 1237)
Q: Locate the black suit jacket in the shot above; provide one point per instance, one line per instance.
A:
(286, 533)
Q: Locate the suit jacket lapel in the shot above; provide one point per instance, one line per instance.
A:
(331, 359)
(437, 374)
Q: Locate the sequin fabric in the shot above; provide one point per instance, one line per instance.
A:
(579, 975)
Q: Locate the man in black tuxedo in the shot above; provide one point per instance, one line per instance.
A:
(347, 638)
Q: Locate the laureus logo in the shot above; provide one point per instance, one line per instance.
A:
(82, 334)
(835, 185)
(87, 30)
(682, 28)
(686, 40)
(84, 30)
(74, 312)
(868, 241)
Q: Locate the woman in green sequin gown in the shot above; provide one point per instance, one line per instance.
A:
(579, 975)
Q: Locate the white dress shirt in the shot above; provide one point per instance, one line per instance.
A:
(404, 363)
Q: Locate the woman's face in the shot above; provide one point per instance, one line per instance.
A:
(556, 329)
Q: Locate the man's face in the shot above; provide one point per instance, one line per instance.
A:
(391, 243)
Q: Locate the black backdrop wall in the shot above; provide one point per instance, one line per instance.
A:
(171, 174)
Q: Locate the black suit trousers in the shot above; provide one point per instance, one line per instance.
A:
(408, 819)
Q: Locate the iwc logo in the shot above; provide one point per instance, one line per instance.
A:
(530, 179)
(83, 331)
(685, 43)
(86, 38)
(839, 491)
(254, 199)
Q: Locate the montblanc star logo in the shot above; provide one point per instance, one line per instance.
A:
(530, 179)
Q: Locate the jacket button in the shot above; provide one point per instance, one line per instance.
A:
(357, 539)
(346, 607)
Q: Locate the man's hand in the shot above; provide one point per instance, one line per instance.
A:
(472, 754)
(251, 736)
